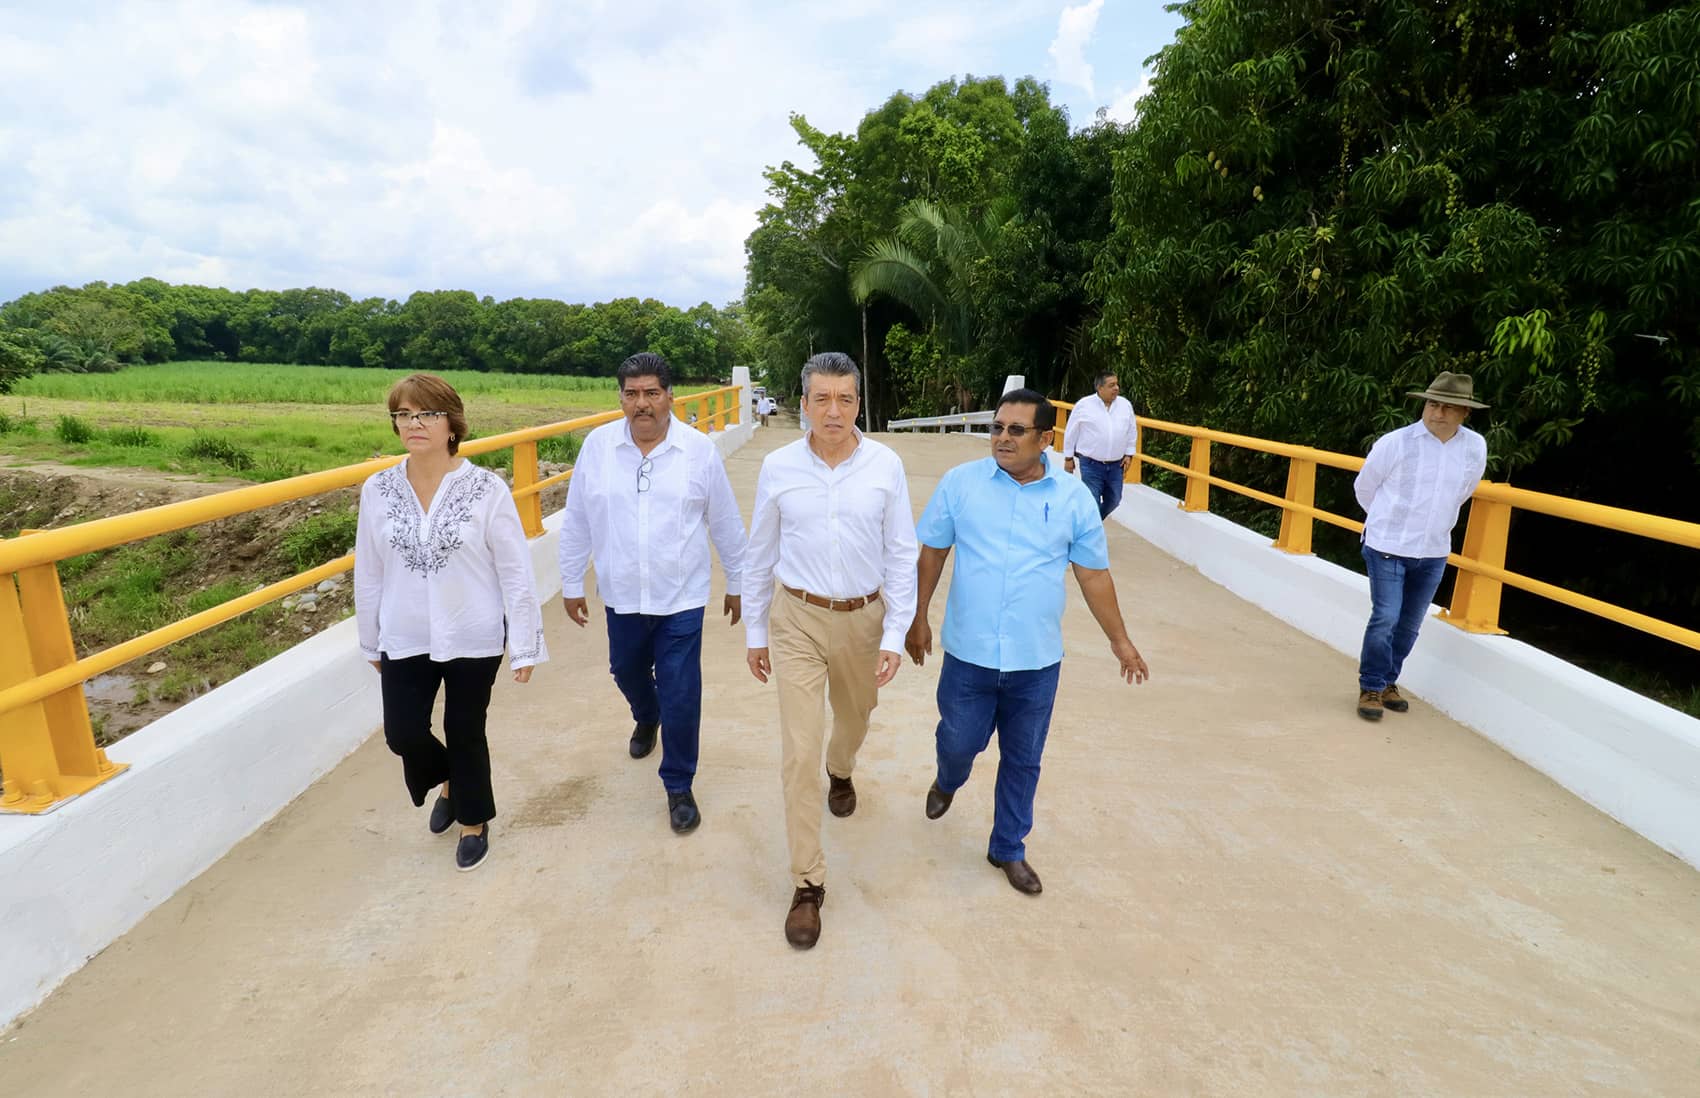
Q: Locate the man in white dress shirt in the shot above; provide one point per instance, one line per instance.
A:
(644, 490)
(1411, 487)
(833, 526)
(1100, 433)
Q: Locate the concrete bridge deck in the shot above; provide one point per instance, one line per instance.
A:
(1248, 891)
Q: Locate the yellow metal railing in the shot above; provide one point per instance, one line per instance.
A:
(47, 748)
(1482, 576)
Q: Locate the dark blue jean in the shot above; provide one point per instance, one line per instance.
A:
(1400, 591)
(973, 702)
(657, 663)
(1104, 480)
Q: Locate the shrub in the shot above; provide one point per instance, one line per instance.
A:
(561, 449)
(74, 431)
(223, 451)
(323, 537)
(132, 436)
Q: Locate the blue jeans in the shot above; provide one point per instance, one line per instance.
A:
(1104, 480)
(657, 663)
(1400, 591)
(975, 700)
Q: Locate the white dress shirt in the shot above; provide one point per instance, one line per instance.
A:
(1412, 486)
(452, 582)
(1098, 432)
(836, 532)
(649, 545)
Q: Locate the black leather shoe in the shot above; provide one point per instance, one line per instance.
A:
(840, 795)
(682, 812)
(442, 815)
(938, 802)
(1020, 874)
(643, 739)
(472, 851)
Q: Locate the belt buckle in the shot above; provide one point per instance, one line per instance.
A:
(833, 604)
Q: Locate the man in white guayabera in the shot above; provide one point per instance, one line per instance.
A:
(1411, 487)
(647, 494)
(1100, 432)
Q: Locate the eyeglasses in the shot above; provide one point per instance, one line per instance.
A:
(644, 470)
(419, 419)
(1013, 430)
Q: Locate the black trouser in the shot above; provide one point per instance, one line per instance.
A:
(410, 690)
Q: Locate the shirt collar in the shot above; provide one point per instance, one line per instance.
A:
(667, 439)
(818, 460)
(1044, 460)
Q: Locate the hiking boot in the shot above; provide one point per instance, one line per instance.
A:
(1392, 699)
(1369, 704)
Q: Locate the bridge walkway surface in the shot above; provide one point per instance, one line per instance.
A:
(1248, 891)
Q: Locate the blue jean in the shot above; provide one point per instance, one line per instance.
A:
(1400, 591)
(975, 700)
(1104, 480)
(657, 664)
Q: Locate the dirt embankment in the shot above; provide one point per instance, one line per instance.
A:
(121, 593)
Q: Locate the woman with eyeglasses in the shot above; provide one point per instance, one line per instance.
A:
(442, 586)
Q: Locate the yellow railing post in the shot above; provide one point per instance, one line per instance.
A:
(1062, 425)
(1136, 471)
(704, 423)
(1475, 599)
(1301, 489)
(47, 748)
(525, 475)
(1198, 488)
(737, 399)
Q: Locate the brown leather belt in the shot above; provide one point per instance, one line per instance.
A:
(833, 604)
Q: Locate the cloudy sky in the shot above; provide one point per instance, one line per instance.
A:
(581, 150)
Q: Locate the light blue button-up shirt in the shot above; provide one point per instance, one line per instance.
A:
(1013, 544)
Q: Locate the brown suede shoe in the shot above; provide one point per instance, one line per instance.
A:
(1392, 699)
(840, 795)
(802, 924)
(1020, 874)
(1369, 705)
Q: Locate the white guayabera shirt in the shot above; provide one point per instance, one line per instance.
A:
(453, 582)
(1412, 486)
(835, 532)
(1100, 433)
(643, 519)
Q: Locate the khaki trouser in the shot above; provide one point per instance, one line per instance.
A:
(812, 647)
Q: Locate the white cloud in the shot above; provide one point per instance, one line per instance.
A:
(517, 147)
(1075, 28)
(1124, 108)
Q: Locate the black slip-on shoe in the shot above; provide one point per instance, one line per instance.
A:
(442, 815)
(938, 802)
(472, 850)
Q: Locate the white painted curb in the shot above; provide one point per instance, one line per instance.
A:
(1630, 757)
(200, 781)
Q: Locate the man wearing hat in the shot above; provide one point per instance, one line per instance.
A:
(1411, 487)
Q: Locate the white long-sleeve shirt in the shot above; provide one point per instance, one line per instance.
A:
(1412, 486)
(836, 532)
(453, 582)
(643, 520)
(1097, 432)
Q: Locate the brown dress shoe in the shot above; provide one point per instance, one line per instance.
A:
(802, 925)
(1392, 699)
(840, 795)
(1020, 874)
(1369, 705)
(938, 801)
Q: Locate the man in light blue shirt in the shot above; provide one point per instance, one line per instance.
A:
(1018, 527)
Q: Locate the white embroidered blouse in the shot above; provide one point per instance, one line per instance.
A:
(451, 582)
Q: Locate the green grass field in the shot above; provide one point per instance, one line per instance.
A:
(258, 421)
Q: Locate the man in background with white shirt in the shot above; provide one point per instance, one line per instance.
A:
(832, 524)
(1100, 433)
(1411, 487)
(644, 491)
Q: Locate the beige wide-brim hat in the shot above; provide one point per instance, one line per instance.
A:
(1451, 389)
